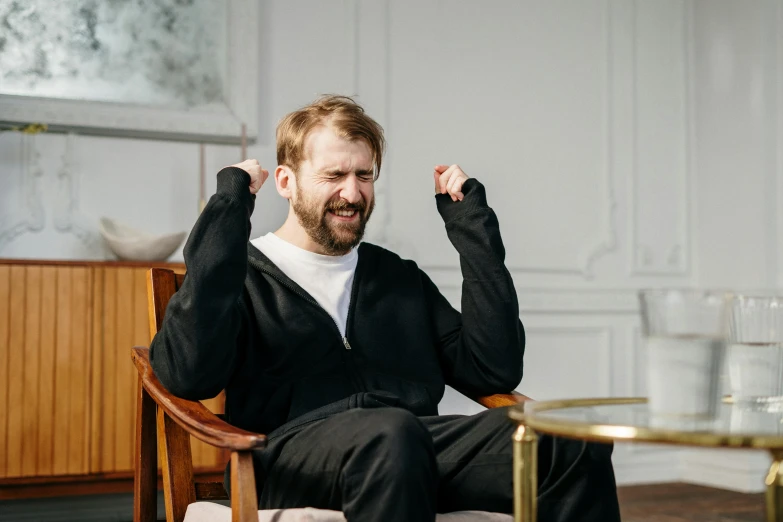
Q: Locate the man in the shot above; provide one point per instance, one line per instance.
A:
(339, 350)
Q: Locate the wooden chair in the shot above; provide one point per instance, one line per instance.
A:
(164, 423)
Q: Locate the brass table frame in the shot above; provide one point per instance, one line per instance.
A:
(529, 424)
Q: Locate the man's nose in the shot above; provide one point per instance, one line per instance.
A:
(349, 190)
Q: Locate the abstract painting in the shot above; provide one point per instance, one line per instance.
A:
(138, 51)
(174, 55)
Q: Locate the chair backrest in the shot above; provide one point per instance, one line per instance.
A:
(162, 283)
(174, 442)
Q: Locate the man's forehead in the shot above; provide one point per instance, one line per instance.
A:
(324, 150)
(342, 162)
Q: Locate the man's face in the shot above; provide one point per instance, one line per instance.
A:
(334, 195)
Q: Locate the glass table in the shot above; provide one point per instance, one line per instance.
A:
(629, 420)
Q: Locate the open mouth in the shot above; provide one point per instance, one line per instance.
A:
(344, 215)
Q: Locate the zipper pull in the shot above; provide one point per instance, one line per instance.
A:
(346, 343)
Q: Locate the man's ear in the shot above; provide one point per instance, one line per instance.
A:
(284, 181)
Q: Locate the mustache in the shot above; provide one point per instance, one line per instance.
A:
(344, 205)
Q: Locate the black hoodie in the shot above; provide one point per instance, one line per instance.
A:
(238, 323)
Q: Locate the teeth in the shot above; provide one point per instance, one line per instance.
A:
(344, 213)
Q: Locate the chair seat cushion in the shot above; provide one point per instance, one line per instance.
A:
(211, 512)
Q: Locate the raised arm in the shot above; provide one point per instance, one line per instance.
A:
(194, 353)
(482, 347)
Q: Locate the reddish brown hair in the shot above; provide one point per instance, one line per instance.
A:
(343, 114)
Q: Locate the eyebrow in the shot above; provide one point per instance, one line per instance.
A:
(339, 172)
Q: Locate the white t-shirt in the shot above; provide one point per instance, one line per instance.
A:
(328, 279)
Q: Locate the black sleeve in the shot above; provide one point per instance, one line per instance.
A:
(482, 348)
(195, 351)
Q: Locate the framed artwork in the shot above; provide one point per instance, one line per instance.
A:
(161, 69)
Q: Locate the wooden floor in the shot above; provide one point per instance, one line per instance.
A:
(654, 503)
(686, 502)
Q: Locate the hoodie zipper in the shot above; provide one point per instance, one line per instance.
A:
(343, 338)
(314, 302)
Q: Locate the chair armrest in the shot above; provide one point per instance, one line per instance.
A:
(501, 399)
(194, 417)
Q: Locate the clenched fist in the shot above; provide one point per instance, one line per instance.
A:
(449, 180)
(257, 174)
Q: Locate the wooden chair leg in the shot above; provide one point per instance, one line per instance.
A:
(145, 475)
(177, 467)
(244, 502)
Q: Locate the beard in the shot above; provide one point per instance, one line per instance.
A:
(335, 237)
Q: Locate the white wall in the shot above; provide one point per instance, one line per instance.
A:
(737, 124)
(623, 144)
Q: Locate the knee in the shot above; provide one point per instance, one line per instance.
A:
(396, 434)
(395, 424)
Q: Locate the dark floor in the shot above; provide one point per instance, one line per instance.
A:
(686, 502)
(650, 503)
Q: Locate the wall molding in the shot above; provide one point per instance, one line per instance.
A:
(607, 243)
(777, 179)
(551, 301)
(66, 216)
(607, 301)
(31, 217)
(605, 333)
(583, 263)
(636, 362)
(674, 260)
(371, 81)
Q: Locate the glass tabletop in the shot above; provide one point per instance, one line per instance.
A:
(630, 419)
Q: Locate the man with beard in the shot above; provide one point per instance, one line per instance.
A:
(339, 350)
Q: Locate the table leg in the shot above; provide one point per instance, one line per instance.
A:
(774, 482)
(525, 474)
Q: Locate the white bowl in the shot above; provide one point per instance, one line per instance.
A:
(132, 245)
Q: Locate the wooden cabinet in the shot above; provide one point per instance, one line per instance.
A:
(45, 333)
(67, 383)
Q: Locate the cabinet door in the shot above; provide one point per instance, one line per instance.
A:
(120, 325)
(45, 317)
(120, 294)
(67, 383)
